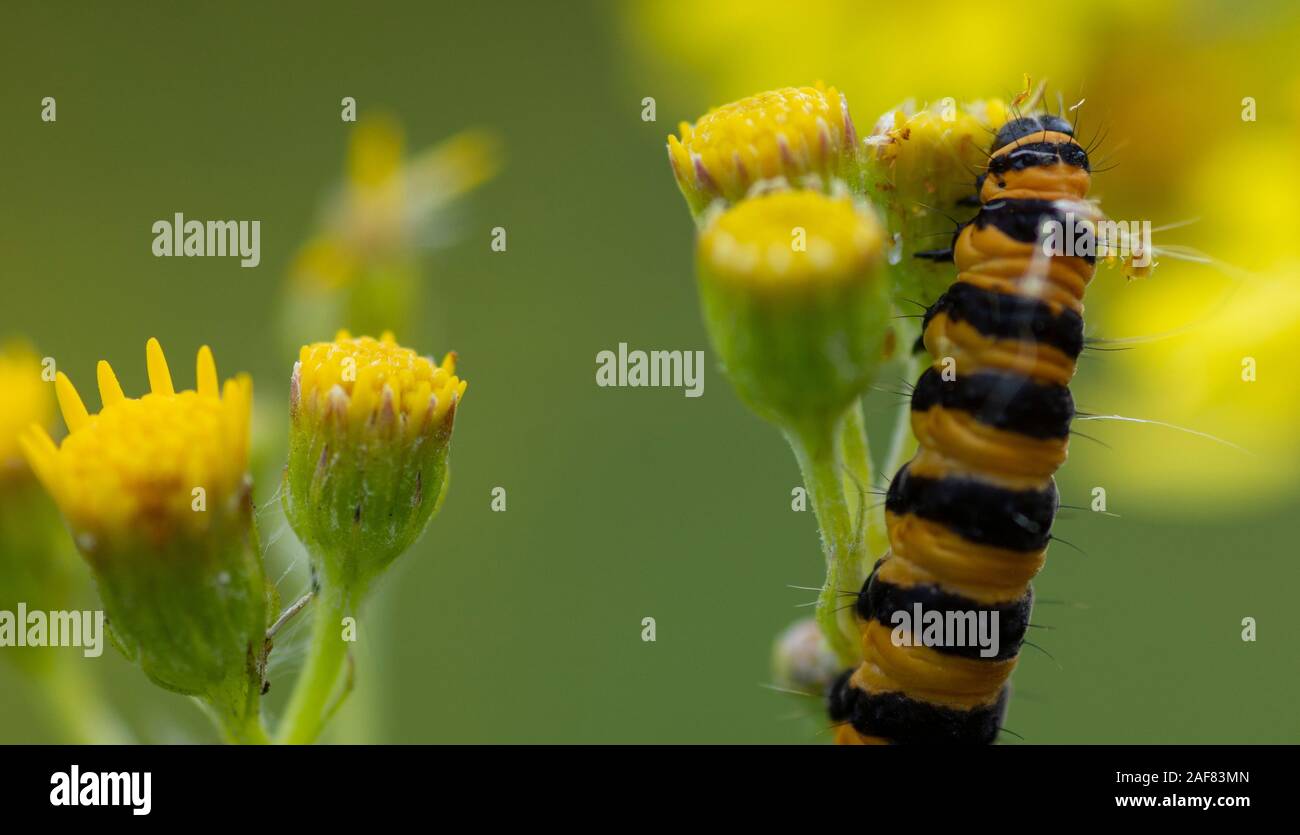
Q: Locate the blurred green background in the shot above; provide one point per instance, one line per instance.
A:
(524, 626)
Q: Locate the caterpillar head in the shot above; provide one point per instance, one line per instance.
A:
(1027, 125)
(1035, 157)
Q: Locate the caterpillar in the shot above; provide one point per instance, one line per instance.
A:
(969, 517)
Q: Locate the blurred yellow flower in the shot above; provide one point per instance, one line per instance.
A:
(877, 53)
(388, 206)
(36, 564)
(27, 399)
(1220, 360)
(1228, 377)
(360, 269)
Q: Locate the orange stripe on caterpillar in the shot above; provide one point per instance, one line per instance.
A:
(990, 440)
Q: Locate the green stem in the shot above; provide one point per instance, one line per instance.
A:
(305, 715)
(246, 729)
(236, 710)
(816, 448)
(902, 445)
(856, 457)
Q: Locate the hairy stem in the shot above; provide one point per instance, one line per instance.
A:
(816, 446)
(245, 730)
(305, 716)
(902, 445)
(856, 456)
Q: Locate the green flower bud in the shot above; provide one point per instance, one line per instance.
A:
(156, 494)
(796, 302)
(371, 431)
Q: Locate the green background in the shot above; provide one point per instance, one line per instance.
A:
(524, 626)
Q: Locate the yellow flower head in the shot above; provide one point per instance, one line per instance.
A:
(800, 137)
(156, 492)
(365, 380)
(917, 165)
(795, 297)
(793, 240)
(923, 146)
(371, 426)
(136, 464)
(27, 399)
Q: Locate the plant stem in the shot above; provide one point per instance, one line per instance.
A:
(902, 444)
(816, 448)
(246, 729)
(305, 715)
(856, 457)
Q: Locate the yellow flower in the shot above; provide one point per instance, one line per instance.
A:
(388, 207)
(368, 447)
(795, 300)
(917, 165)
(793, 137)
(365, 379)
(933, 150)
(27, 399)
(136, 464)
(793, 241)
(156, 493)
(369, 441)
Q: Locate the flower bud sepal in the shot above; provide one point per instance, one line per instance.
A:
(189, 607)
(797, 360)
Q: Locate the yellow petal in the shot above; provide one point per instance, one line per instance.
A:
(41, 455)
(375, 152)
(110, 391)
(160, 379)
(207, 373)
(74, 411)
(364, 393)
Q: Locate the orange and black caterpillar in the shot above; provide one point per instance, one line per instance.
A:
(969, 517)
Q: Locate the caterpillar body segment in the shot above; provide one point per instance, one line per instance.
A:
(969, 517)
